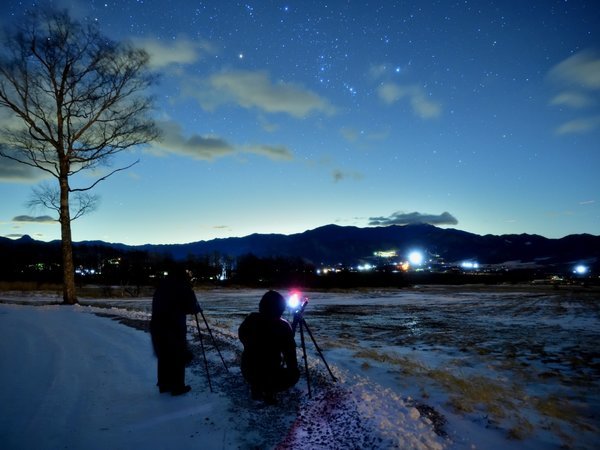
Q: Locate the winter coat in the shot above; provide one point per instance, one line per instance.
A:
(172, 301)
(268, 345)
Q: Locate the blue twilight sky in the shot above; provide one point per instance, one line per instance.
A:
(283, 116)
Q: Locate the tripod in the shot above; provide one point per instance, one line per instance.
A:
(301, 322)
(202, 346)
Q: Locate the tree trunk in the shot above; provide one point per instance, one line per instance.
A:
(69, 294)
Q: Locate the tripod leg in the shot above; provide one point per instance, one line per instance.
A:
(305, 358)
(318, 349)
(213, 340)
(203, 353)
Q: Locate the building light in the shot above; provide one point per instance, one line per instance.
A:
(386, 254)
(416, 258)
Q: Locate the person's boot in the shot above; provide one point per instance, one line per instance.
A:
(256, 393)
(269, 398)
(181, 390)
(164, 388)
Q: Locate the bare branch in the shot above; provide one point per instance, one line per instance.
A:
(104, 177)
(45, 196)
(48, 196)
(85, 203)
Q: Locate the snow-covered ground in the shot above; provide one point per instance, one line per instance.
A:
(423, 368)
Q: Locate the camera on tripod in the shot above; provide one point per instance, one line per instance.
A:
(297, 304)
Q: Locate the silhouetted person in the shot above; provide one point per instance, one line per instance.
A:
(173, 300)
(269, 361)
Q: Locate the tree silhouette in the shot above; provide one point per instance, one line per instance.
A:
(75, 100)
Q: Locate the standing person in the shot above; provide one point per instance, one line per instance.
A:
(269, 361)
(173, 300)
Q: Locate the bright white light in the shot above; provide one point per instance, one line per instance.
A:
(364, 267)
(415, 258)
(580, 269)
(294, 300)
(470, 265)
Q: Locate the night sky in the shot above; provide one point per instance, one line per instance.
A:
(283, 116)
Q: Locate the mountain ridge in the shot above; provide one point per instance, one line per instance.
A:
(333, 244)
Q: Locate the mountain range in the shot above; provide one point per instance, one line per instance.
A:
(333, 244)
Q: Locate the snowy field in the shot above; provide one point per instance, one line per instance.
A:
(421, 368)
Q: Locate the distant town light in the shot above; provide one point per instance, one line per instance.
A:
(470, 265)
(416, 258)
(386, 254)
(580, 269)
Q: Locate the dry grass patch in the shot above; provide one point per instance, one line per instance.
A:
(500, 402)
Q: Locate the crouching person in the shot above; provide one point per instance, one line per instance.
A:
(269, 362)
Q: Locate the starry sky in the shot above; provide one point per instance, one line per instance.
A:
(283, 116)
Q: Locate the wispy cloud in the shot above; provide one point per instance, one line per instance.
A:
(401, 218)
(34, 219)
(386, 70)
(255, 90)
(278, 153)
(572, 99)
(181, 51)
(391, 91)
(204, 147)
(350, 134)
(422, 106)
(266, 125)
(580, 70)
(353, 135)
(14, 172)
(340, 175)
(207, 147)
(378, 71)
(578, 80)
(579, 126)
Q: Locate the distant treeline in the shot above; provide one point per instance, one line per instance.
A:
(108, 266)
(111, 266)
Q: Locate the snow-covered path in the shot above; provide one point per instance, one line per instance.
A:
(73, 380)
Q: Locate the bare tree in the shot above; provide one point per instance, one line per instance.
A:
(76, 99)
